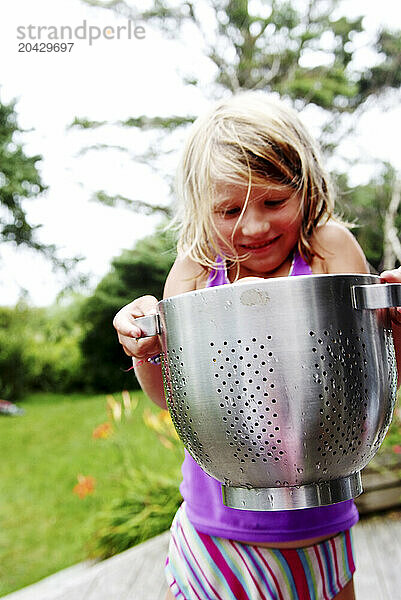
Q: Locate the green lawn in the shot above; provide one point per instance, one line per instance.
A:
(44, 526)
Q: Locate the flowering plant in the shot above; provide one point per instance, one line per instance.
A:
(145, 501)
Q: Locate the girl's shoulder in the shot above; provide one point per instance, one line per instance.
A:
(339, 250)
(185, 276)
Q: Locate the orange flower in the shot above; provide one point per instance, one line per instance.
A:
(397, 449)
(103, 431)
(85, 486)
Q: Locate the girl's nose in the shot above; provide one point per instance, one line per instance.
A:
(253, 224)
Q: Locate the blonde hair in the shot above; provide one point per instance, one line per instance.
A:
(245, 139)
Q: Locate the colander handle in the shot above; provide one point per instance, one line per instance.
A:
(377, 295)
(149, 325)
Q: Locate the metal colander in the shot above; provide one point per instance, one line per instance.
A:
(282, 389)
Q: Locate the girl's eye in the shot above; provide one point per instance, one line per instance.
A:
(231, 212)
(273, 203)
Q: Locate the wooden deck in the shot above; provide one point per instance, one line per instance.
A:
(137, 574)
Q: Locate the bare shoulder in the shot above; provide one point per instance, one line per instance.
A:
(339, 249)
(185, 276)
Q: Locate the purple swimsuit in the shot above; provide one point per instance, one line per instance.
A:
(208, 514)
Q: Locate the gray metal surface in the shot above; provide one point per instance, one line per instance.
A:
(280, 384)
(376, 295)
(293, 497)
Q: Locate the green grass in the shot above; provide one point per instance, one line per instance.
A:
(44, 526)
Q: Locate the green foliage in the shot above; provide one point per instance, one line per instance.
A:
(366, 205)
(386, 74)
(134, 273)
(19, 180)
(137, 205)
(145, 501)
(13, 375)
(147, 509)
(170, 123)
(267, 46)
(308, 52)
(84, 123)
(39, 349)
(43, 452)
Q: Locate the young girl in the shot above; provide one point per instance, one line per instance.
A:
(255, 202)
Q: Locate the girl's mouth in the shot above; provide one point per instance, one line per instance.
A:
(260, 247)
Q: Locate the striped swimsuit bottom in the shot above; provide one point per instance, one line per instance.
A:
(204, 567)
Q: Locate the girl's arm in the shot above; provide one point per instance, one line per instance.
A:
(342, 254)
(148, 374)
(182, 278)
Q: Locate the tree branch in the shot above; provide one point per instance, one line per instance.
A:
(139, 206)
(392, 245)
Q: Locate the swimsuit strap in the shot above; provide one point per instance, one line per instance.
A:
(299, 265)
(219, 276)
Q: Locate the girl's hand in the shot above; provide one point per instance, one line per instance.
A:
(393, 276)
(128, 331)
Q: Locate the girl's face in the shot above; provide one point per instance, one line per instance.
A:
(267, 231)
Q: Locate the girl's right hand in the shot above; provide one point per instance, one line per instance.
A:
(128, 331)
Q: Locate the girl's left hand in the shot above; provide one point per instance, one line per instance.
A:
(393, 276)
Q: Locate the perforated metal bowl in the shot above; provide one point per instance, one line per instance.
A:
(282, 389)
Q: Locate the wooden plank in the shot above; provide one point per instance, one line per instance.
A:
(375, 481)
(394, 524)
(386, 568)
(117, 578)
(150, 583)
(367, 579)
(380, 499)
(136, 574)
(389, 547)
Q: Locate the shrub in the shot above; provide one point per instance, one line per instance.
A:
(146, 502)
(39, 350)
(134, 273)
(147, 509)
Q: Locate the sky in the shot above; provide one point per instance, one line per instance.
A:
(113, 79)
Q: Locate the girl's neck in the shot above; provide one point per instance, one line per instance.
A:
(282, 270)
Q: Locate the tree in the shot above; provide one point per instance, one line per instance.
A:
(39, 349)
(392, 244)
(20, 180)
(307, 51)
(134, 273)
(374, 205)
